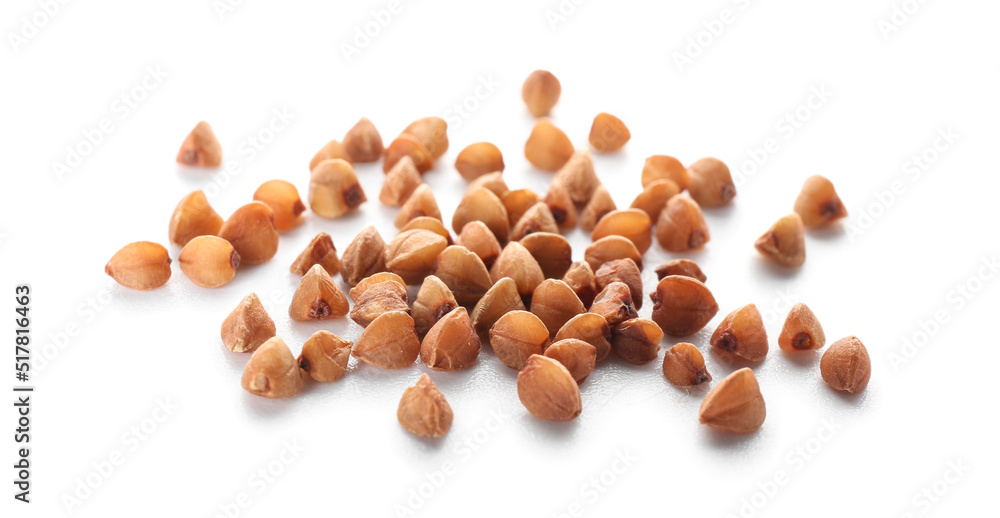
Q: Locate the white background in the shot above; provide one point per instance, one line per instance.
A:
(105, 355)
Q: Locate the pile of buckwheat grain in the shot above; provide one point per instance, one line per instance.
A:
(509, 278)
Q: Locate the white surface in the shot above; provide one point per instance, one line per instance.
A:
(889, 100)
